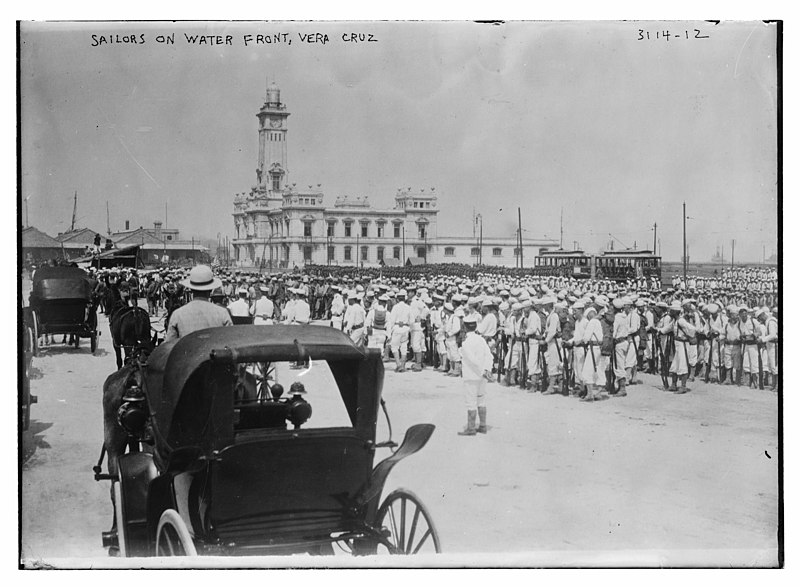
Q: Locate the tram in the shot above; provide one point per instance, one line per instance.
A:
(613, 265)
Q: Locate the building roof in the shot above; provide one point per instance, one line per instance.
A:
(83, 236)
(135, 237)
(415, 261)
(33, 238)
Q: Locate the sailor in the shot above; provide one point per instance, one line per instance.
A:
(376, 322)
(419, 314)
(552, 335)
(354, 317)
(476, 358)
(399, 327)
(263, 308)
(437, 323)
(749, 332)
(716, 340)
(240, 307)
(595, 363)
(337, 308)
(769, 340)
(452, 329)
(622, 344)
(576, 344)
(684, 332)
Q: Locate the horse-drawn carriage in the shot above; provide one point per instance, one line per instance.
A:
(61, 303)
(236, 469)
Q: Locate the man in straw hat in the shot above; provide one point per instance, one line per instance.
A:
(200, 313)
(477, 369)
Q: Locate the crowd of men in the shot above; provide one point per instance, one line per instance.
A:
(554, 335)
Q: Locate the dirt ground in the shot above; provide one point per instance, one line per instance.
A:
(653, 479)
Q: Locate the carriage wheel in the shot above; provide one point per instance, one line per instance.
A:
(409, 525)
(119, 515)
(34, 334)
(172, 537)
(265, 377)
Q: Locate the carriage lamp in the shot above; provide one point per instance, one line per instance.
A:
(276, 391)
(132, 414)
(299, 408)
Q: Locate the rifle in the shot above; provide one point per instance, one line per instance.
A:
(564, 357)
(523, 359)
(510, 354)
(760, 367)
(654, 356)
(543, 362)
(500, 354)
(611, 378)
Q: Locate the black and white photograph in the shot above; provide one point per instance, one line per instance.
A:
(394, 294)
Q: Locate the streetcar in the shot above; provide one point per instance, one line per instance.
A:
(612, 265)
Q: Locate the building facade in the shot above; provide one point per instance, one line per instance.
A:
(280, 225)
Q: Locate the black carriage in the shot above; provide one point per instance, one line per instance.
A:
(61, 303)
(234, 467)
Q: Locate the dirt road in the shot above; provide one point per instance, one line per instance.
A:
(652, 479)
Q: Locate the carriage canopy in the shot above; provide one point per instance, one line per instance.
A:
(61, 283)
(189, 382)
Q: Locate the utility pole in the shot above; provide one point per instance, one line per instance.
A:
(561, 239)
(655, 233)
(480, 246)
(108, 220)
(74, 210)
(404, 245)
(684, 242)
(519, 225)
(733, 246)
(166, 214)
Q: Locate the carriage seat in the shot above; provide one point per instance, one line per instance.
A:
(258, 415)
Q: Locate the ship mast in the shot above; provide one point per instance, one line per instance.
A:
(74, 210)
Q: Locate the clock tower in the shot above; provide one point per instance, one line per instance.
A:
(272, 171)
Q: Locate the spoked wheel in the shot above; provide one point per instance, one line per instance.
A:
(119, 517)
(172, 537)
(265, 377)
(409, 525)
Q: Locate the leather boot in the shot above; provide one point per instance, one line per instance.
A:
(553, 386)
(739, 377)
(674, 385)
(417, 364)
(457, 369)
(397, 363)
(683, 388)
(774, 383)
(402, 363)
(469, 430)
(482, 418)
(633, 380)
(535, 382)
(512, 377)
(621, 392)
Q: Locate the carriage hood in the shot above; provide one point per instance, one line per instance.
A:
(195, 371)
(59, 283)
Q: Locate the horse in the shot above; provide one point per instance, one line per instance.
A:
(130, 329)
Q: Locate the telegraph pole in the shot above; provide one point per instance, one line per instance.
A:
(684, 242)
(519, 225)
(733, 246)
(561, 239)
(655, 232)
(480, 246)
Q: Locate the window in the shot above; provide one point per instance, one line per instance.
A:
(474, 251)
(307, 254)
(331, 253)
(347, 254)
(415, 204)
(497, 252)
(330, 229)
(307, 229)
(364, 228)
(380, 254)
(396, 232)
(422, 231)
(313, 201)
(365, 253)
(169, 236)
(380, 231)
(449, 251)
(396, 252)
(276, 182)
(348, 228)
(421, 252)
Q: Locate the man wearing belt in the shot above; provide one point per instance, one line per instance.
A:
(354, 318)
(552, 335)
(263, 308)
(716, 342)
(621, 343)
(375, 323)
(477, 360)
(769, 338)
(595, 363)
(419, 313)
(452, 328)
(634, 325)
(733, 346)
(240, 307)
(399, 326)
(684, 332)
(578, 346)
(749, 346)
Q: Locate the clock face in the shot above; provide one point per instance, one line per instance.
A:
(276, 123)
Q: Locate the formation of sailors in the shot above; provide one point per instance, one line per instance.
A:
(552, 334)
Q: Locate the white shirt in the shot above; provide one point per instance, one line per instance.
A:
(239, 308)
(263, 310)
(476, 358)
(302, 312)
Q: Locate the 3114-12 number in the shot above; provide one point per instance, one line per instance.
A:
(666, 35)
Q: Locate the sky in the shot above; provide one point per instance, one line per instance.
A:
(581, 117)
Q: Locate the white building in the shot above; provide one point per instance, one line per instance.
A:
(278, 224)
